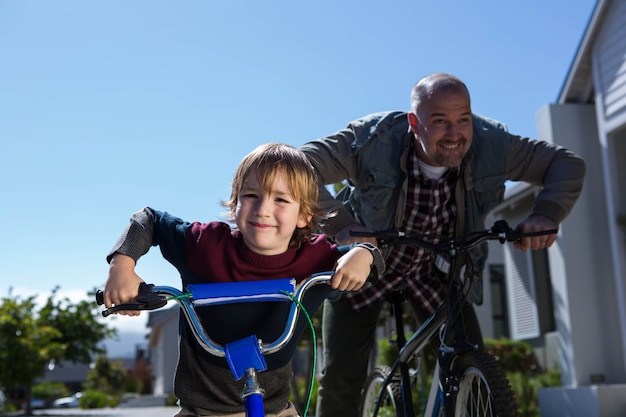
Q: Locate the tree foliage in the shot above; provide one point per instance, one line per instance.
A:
(107, 376)
(61, 330)
(80, 331)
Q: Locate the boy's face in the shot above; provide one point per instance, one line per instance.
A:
(267, 220)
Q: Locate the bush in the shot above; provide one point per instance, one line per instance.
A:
(520, 364)
(526, 388)
(97, 399)
(514, 356)
(172, 400)
(49, 391)
(517, 358)
(299, 399)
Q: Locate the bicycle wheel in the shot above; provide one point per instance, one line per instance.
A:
(391, 399)
(484, 390)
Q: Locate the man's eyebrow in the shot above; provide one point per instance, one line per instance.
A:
(438, 114)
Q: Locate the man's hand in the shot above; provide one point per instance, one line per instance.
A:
(536, 223)
(343, 236)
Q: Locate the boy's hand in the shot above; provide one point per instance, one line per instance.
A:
(352, 269)
(123, 284)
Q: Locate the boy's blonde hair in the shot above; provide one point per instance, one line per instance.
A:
(266, 162)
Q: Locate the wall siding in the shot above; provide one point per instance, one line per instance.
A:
(610, 59)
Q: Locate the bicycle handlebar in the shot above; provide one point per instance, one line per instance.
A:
(152, 297)
(500, 231)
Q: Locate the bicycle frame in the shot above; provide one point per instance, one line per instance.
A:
(446, 318)
(245, 356)
(408, 349)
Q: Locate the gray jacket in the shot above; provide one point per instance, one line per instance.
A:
(371, 154)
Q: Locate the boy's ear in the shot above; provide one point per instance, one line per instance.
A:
(304, 220)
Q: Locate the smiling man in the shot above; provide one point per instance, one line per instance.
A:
(438, 169)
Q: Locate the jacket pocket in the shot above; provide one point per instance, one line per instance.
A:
(375, 199)
(487, 193)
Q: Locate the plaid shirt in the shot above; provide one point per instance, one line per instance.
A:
(430, 209)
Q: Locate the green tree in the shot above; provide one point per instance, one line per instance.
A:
(31, 339)
(81, 333)
(107, 376)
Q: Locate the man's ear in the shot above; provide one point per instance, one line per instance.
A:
(412, 119)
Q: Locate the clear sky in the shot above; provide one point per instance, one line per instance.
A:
(110, 106)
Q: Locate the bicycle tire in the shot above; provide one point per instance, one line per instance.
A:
(484, 390)
(391, 405)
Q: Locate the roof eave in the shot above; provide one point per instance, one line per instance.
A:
(577, 86)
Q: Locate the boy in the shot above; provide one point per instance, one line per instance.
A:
(273, 203)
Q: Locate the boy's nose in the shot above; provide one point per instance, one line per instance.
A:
(262, 207)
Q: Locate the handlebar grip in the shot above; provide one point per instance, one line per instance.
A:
(516, 235)
(146, 300)
(100, 297)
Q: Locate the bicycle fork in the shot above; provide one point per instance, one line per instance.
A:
(449, 382)
(396, 305)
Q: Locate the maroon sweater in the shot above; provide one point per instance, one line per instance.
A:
(213, 252)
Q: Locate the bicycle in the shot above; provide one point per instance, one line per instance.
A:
(250, 355)
(467, 380)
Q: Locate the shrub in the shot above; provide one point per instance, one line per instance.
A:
(517, 358)
(520, 364)
(97, 399)
(171, 400)
(514, 356)
(50, 391)
(526, 388)
(299, 399)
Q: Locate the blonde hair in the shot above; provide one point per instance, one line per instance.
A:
(266, 162)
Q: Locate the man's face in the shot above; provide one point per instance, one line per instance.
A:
(443, 128)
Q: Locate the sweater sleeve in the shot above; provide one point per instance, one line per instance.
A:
(136, 240)
(378, 266)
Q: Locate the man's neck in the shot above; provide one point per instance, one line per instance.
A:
(431, 172)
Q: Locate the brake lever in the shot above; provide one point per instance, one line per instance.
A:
(146, 300)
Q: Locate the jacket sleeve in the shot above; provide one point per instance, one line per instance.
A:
(334, 162)
(556, 170)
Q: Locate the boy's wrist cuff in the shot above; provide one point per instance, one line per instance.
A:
(379, 262)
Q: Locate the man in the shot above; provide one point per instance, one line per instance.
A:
(438, 169)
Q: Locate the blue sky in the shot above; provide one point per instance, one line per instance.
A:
(110, 106)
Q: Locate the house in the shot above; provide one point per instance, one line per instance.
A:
(163, 348)
(569, 301)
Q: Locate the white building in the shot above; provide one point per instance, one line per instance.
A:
(569, 301)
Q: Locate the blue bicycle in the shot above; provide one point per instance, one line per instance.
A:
(246, 357)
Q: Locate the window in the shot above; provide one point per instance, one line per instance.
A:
(499, 301)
